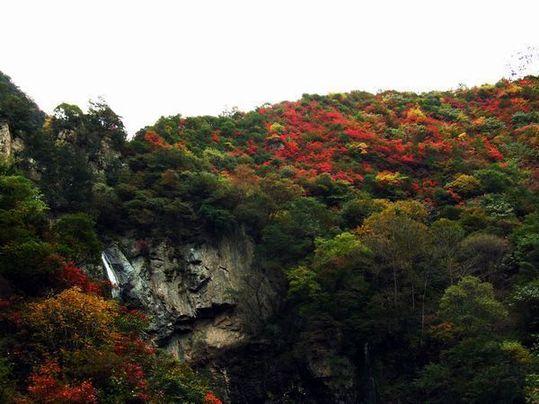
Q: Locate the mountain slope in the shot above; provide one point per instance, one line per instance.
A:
(396, 235)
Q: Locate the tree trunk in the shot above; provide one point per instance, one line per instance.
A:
(423, 310)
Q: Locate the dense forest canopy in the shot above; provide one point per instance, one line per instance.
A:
(405, 225)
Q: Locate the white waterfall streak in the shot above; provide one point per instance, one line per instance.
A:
(111, 275)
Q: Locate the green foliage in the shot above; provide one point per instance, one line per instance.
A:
(20, 112)
(481, 255)
(477, 371)
(18, 193)
(357, 210)
(526, 239)
(302, 283)
(494, 180)
(379, 301)
(291, 234)
(341, 247)
(23, 251)
(70, 344)
(471, 307)
(176, 382)
(7, 385)
(75, 233)
(524, 118)
(28, 264)
(446, 236)
(67, 117)
(478, 366)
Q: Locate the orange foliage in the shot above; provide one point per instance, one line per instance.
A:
(210, 398)
(155, 140)
(72, 319)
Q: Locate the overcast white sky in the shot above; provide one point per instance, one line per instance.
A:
(160, 57)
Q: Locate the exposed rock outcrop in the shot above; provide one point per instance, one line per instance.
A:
(203, 298)
(5, 140)
(9, 145)
(105, 157)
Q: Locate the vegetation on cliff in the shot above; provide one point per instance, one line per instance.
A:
(62, 339)
(405, 224)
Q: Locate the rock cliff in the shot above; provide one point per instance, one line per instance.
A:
(203, 298)
(9, 145)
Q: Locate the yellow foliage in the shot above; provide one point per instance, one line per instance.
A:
(465, 184)
(47, 124)
(389, 178)
(415, 114)
(276, 127)
(71, 320)
(396, 234)
(409, 208)
(516, 351)
(361, 147)
(512, 89)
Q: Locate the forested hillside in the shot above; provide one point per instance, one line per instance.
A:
(404, 227)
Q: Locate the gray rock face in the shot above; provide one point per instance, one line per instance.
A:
(65, 136)
(101, 160)
(9, 145)
(107, 157)
(203, 298)
(5, 140)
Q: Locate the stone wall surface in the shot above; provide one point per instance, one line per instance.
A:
(203, 298)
